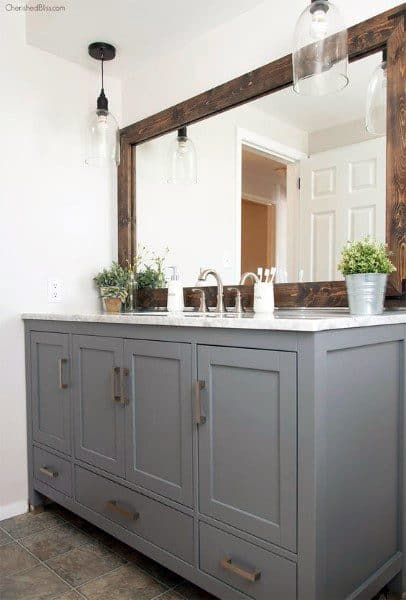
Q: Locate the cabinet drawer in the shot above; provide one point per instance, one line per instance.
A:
(246, 567)
(53, 470)
(166, 527)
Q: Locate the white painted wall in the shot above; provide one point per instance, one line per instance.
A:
(344, 134)
(199, 222)
(57, 217)
(247, 42)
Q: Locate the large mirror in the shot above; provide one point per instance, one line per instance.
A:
(282, 181)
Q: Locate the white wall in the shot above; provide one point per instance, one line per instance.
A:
(245, 43)
(57, 217)
(199, 223)
(344, 134)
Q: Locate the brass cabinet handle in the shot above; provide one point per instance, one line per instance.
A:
(48, 472)
(114, 372)
(251, 576)
(61, 363)
(123, 397)
(124, 512)
(199, 418)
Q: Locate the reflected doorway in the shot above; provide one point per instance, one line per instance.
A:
(264, 211)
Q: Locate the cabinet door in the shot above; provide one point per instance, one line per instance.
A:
(50, 390)
(99, 414)
(159, 423)
(247, 446)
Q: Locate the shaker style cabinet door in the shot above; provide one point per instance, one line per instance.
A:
(50, 390)
(99, 403)
(159, 419)
(247, 440)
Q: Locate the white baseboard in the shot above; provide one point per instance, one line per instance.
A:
(14, 509)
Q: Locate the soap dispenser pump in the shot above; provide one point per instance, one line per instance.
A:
(175, 292)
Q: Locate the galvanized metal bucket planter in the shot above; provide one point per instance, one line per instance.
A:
(366, 293)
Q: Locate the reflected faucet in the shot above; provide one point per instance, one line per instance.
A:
(248, 275)
(220, 301)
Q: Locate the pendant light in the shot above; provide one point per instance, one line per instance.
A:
(103, 132)
(320, 53)
(182, 162)
(376, 99)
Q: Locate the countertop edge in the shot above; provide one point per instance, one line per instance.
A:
(255, 323)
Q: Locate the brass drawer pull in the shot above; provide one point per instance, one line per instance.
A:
(48, 472)
(115, 397)
(123, 397)
(199, 418)
(251, 576)
(128, 514)
(61, 363)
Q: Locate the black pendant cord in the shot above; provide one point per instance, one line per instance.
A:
(102, 102)
(102, 51)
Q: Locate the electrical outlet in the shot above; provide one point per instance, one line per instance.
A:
(55, 290)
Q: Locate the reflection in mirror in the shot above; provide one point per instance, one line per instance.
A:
(282, 181)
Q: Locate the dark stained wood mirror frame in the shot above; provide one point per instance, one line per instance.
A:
(384, 30)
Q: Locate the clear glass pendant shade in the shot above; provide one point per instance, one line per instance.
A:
(376, 100)
(320, 52)
(182, 161)
(103, 139)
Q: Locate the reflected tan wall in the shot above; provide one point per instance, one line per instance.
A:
(258, 235)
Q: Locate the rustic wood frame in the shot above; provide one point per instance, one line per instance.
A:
(384, 30)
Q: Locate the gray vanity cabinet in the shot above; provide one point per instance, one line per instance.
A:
(50, 390)
(98, 407)
(248, 398)
(159, 417)
(262, 465)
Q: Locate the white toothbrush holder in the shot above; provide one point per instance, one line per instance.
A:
(264, 299)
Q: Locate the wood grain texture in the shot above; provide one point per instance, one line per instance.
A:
(396, 156)
(126, 201)
(385, 29)
(327, 294)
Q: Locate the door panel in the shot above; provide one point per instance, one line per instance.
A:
(99, 416)
(50, 389)
(159, 423)
(247, 447)
(342, 198)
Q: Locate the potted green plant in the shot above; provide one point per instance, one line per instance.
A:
(365, 265)
(113, 287)
(152, 274)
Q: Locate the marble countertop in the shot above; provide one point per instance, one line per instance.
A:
(283, 320)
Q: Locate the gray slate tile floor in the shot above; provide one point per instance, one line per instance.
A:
(56, 555)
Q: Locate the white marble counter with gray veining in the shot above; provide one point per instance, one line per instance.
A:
(283, 320)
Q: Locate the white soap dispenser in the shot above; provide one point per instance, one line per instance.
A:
(175, 292)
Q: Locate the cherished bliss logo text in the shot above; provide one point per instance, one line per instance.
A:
(39, 7)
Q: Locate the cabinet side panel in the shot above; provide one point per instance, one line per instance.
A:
(362, 444)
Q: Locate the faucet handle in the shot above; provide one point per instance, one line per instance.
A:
(202, 305)
(238, 303)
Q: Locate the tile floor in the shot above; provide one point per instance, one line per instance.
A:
(55, 555)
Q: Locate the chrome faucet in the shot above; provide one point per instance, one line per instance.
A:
(220, 300)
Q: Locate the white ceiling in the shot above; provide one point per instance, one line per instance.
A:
(313, 113)
(140, 29)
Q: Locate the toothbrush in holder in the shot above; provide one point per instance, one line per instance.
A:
(260, 273)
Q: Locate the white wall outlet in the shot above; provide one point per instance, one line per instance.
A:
(55, 290)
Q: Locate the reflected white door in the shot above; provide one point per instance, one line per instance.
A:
(342, 197)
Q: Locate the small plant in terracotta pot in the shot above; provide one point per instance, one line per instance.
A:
(113, 287)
